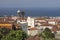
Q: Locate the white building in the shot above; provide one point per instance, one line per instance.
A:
(32, 31)
(24, 26)
(14, 17)
(43, 26)
(30, 22)
(52, 21)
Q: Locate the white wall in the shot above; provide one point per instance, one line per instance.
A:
(32, 32)
(24, 27)
(43, 27)
(41, 20)
(52, 23)
(30, 22)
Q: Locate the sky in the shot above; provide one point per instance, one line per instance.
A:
(29, 3)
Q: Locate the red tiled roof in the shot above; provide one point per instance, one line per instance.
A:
(40, 19)
(6, 19)
(9, 20)
(5, 22)
(46, 24)
(33, 29)
(54, 29)
(22, 18)
(56, 20)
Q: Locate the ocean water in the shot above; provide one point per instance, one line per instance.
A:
(31, 11)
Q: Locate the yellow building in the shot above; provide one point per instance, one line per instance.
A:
(6, 25)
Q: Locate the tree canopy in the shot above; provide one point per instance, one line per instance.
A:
(16, 35)
(47, 34)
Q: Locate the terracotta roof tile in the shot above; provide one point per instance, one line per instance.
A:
(40, 19)
(32, 29)
(6, 19)
(46, 24)
(54, 29)
(5, 23)
(22, 18)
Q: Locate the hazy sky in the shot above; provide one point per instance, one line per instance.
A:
(29, 3)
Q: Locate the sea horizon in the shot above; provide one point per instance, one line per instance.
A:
(31, 11)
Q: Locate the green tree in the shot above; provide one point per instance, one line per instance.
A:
(3, 32)
(1, 36)
(16, 35)
(47, 34)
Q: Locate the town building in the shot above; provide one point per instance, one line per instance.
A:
(31, 22)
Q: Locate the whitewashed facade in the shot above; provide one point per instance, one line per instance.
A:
(31, 22)
(32, 32)
(52, 22)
